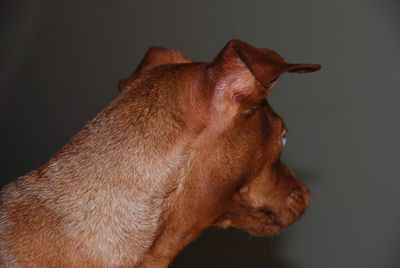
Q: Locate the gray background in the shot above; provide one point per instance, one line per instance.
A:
(60, 62)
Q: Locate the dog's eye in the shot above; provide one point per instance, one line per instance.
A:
(284, 138)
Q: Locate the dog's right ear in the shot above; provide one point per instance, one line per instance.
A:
(242, 75)
(155, 56)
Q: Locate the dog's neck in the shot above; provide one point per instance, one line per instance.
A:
(127, 186)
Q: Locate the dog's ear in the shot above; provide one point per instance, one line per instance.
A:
(243, 75)
(155, 56)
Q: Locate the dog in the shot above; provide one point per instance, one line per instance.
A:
(184, 147)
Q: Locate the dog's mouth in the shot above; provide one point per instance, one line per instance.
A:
(263, 221)
(256, 221)
(267, 222)
(268, 214)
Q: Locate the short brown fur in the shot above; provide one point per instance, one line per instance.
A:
(185, 146)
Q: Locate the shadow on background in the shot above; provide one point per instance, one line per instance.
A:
(232, 248)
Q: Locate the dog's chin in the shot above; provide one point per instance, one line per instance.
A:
(272, 220)
(257, 222)
(268, 225)
(264, 231)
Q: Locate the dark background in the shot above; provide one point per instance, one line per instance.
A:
(60, 62)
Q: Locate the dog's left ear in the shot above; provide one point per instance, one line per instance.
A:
(244, 74)
(155, 56)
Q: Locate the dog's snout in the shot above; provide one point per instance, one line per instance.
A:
(306, 194)
(303, 189)
(297, 203)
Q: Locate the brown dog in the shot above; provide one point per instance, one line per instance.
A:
(185, 146)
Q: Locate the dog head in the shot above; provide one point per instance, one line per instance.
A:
(234, 177)
(269, 196)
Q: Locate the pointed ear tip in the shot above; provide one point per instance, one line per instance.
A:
(316, 67)
(156, 49)
(304, 68)
(234, 40)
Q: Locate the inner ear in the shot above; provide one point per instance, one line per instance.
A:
(155, 56)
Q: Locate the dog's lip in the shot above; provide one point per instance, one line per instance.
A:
(269, 213)
(267, 230)
(273, 226)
